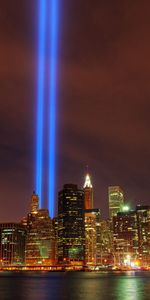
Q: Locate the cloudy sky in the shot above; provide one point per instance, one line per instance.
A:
(103, 103)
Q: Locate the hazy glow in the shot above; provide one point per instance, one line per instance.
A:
(40, 97)
(125, 208)
(52, 101)
(87, 181)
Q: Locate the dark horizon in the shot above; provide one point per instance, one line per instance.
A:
(103, 100)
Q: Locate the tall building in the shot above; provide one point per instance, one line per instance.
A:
(55, 226)
(125, 237)
(116, 200)
(34, 204)
(143, 226)
(12, 244)
(131, 231)
(92, 236)
(40, 244)
(88, 193)
(71, 225)
(106, 244)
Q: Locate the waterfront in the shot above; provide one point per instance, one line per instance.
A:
(75, 286)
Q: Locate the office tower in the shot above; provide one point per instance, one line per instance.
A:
(12, 244)
(143, 225)
(116, 200)
(92, 236)
(106, 243)
(125, 237)
(98, 236)
(71, 225)
(55, 226)
(88, 193)
(34, 204)
(40, 244)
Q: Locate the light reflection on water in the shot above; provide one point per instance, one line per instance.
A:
(75, 286)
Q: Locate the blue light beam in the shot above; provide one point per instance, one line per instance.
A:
(52, 105)
(40, 97)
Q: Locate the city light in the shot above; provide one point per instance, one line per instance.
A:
(88, 181)
(52, 105)
(40, 97)
(125, 208)
(127, 260)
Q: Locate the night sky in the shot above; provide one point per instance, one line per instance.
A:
(103, 117)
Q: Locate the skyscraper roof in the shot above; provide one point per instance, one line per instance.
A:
(87, 181)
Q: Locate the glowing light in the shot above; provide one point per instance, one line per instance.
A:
(127, 260)
(132, 264)
(40, 96)
(87, 181)
(52, 100)
(125, 208)
(136, 263)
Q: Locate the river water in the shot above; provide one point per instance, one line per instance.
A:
(75, 286)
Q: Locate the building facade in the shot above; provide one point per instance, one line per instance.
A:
(55, 226)
(12, 244)
(106, 243)
(125, 231)
(116, 200)
(143, 227)
(71, 225)
(40, 243)
(92, 236)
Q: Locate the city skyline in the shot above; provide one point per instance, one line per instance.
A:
(115, 200)
(78, 238)
(103, 101)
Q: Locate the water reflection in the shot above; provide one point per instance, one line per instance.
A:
(129, 288)
(106, 286)
(75, 286)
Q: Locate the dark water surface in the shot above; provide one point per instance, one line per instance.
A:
(75, 286)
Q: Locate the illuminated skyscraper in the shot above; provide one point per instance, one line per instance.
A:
(106, 243)
(71, 225)
(40, 245)
(12, 244)
(55, 226)
(92, 236)
(34, 203)
(88, 193)
(131, 230)
(116, 200)
(143, 226)
(125, 236)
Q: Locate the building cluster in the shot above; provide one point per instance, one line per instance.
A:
(78, 237)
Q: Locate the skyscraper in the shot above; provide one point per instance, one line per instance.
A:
(55, 226)
(106, 243)
(116, 200)
(12, 244)
(88, 193)
(143, 225)
(71, 225)
(34, 203)
(125, 236)
(92, 236)
(40, 244)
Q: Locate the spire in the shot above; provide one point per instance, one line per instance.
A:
(34, 203)
(87, 183)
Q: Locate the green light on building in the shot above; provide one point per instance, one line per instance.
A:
(125, 208)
